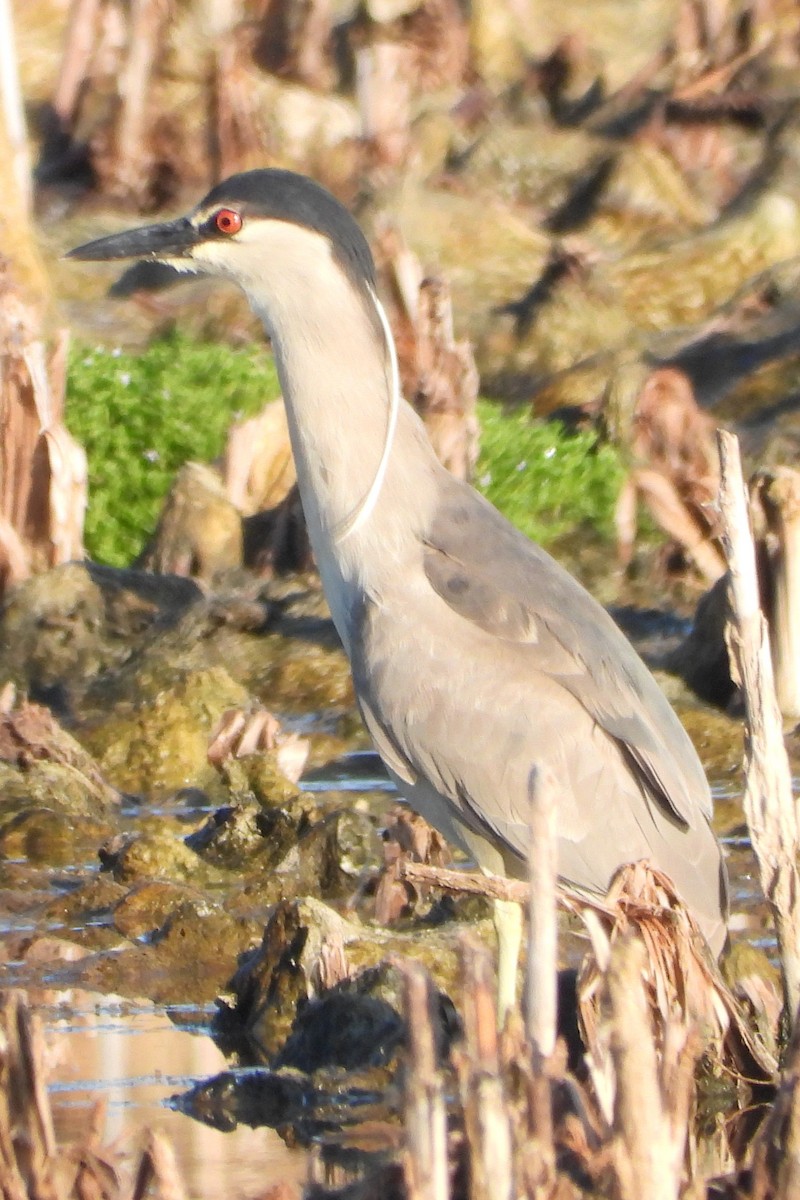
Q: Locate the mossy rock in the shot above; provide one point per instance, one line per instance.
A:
(163, 745)
(160, 854)
(51, 837)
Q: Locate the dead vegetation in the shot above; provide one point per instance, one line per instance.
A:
(43, 473)
(32, 1164)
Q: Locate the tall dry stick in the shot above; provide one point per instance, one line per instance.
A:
(768, 802)
(644, 1157)
(426, 1166)
(12, 111)
(80, 41)
(487, 1123)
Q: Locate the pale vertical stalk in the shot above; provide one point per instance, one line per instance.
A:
(778, 493)
(426, 1169)
(768, 801)
(146, 27)
(644, 1158)
(80, 40)
(487, 1124)
(543, 936)
(13, 111)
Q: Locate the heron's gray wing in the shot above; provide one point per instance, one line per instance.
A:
(494, 577)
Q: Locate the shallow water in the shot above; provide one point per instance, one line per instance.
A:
(135, 1055)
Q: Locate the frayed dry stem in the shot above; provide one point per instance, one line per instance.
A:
(426, 1165)
(645, 1159)
(776, 1154)
(768, 801)
(159, 1167)
(486, 1112)
(775, 496)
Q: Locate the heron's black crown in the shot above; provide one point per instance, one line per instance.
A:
(284, 196)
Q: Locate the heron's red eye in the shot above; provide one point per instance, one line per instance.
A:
(228, 221)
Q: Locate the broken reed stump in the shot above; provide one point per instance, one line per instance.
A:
(525, 1128)
(438, 373)
(768, 801)
(12, 111)
(654, 417)
(775, 510)
(426, 1165)
(542, 917)
(648, 1148)
(43, 472)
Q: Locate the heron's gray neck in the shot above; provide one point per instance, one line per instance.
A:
(333, 366)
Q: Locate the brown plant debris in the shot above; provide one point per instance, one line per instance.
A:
(674, 470)
(683, 980)
(437, 373)
(29, 733)
(240, 733)
(43, 474)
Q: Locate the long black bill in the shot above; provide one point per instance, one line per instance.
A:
(170, 240)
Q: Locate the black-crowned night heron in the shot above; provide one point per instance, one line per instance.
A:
(476, 657)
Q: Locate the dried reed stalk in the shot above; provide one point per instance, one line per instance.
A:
(43, 473)
(768, 801)
(645, 1156)
(775, 496)
(74, 68)
(487, 1116)
(132, 142)
(13, 112)
(32, 1165)
(425, 1165)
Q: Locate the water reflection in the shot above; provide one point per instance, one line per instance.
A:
(136, 1056)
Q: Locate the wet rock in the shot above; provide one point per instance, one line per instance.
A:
(279, 645)
(164, 745)
(242, 835)
(702, 658)
(41, 763)
(147, 906)
(343, 1029)
(157, 854)
(45, 835)
(60, 629)
(86, 913)
(357, 1026)
(261, 777)
(253, 1098)
(302, 952)
(199, 531)
(329, 860)
(191, 959)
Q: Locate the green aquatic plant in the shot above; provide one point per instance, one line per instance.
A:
(140, 416)
(546, 479)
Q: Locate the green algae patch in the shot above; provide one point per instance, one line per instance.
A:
(163, 745)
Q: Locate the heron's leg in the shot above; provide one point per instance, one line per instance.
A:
(508, 926)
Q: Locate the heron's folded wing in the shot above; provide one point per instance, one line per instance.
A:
(493, 576)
